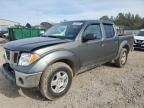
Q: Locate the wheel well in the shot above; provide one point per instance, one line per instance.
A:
(127, 47)
(68, 62)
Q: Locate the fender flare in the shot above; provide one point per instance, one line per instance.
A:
(62, 55)
(122, 45)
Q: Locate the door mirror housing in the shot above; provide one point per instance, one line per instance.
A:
(88, 37)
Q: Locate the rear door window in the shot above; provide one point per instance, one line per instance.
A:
(109, 30)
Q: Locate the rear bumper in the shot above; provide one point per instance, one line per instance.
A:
(21, 79)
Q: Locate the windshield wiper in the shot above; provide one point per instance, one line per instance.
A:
(49, 36)
(52, 36)
(61, 37)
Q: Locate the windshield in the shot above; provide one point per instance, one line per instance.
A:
(64, 30)
(140, 33)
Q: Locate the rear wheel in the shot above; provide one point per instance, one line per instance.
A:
(122, 59)
(56, 80)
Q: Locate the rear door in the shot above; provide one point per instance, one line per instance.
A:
(90, 51)
(110, 41)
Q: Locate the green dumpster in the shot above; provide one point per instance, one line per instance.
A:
(22, 33)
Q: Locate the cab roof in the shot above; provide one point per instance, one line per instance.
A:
(93, 21)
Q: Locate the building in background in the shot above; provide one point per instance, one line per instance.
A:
(7, 23)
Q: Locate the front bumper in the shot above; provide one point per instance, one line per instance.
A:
(139, 46)
(21, 79)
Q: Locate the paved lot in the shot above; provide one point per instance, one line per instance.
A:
(103, 87)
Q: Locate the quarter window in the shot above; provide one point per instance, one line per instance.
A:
(109, 30)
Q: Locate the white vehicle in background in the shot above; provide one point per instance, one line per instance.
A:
(3, 32)
(139, 39)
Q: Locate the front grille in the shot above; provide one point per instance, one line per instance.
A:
(12, 56)
(139, 41)
(16, 57)
(7, 54)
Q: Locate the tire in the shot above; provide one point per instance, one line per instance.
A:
(56, 75)
(121, 61)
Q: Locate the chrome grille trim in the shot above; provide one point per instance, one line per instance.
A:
(11, 58)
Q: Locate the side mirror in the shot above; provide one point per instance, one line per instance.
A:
(88, 37)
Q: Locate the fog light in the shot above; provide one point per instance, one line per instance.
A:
(21, 81)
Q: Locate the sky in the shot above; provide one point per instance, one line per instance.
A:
(37, 11)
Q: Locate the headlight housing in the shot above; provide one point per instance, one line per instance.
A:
(28, 58)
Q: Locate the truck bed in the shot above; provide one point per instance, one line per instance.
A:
(127, 38)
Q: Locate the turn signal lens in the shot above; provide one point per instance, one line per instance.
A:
(33, 58)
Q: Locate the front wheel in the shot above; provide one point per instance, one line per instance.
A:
(122, 59)
(56, 80)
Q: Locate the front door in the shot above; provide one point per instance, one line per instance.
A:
(90, 51)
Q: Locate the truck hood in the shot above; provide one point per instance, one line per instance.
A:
(31, 44)
(139, 37)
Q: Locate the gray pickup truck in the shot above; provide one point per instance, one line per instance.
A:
(51, 61)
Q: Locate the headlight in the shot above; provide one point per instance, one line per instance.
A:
(135, 40)
(27, 59)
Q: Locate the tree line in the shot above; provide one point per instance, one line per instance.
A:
(127, 20)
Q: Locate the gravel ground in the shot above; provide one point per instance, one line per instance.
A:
(103, 87)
